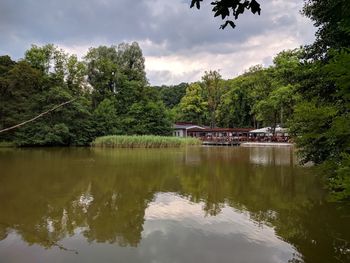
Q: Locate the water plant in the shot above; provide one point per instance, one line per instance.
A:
(143, 141)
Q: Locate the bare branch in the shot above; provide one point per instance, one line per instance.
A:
(39, 116)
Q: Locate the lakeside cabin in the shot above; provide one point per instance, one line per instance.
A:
(181, 128)
(187, 129)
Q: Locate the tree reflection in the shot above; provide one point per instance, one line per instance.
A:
(48, 195)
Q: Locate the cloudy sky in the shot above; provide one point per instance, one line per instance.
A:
(179, 43)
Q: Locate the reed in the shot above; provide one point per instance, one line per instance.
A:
(144, 141)
(7, 144)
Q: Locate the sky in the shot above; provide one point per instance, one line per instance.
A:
(179, 43)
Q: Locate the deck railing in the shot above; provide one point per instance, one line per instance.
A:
(245, 139)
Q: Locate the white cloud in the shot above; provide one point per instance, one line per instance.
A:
(190, 67)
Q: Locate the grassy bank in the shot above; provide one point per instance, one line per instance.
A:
(7, 144)
(145, 141)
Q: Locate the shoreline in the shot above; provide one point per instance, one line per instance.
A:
(280, 144)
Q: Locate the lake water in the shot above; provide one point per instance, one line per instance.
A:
(199, 204)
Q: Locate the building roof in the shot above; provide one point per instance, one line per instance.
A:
(220, 130)
(269, 130)
(186, 126)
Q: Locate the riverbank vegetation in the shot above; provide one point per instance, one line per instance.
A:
(144, 141)
(306, 89)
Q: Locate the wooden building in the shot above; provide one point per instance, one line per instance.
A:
(220, 134)
(181, 128)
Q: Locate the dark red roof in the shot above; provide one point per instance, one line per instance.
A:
(221, 130)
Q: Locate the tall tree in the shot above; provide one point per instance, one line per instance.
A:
(321, 123)
(104, 74)
(132, 62)
(193, 106)
(213, 88)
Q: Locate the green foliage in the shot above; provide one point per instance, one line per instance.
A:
(172, 95)
(309, 125)
(105, 118)
(333, 21)
(321, 122)
(193, 107)
(6, 63)
(145, 141)
(339, 182)
(132, 62)
(113, 99)
(148, 117)
(259, 97)
(235, 107)
(212, 86)
(18, 87)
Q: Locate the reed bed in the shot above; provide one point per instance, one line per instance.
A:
(7, 144)
(144, 141)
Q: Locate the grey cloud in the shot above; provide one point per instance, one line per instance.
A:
(166, 77)
(169, 27)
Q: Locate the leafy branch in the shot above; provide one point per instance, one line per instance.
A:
(227, 8)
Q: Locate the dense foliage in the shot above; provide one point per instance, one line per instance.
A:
(321, 123)
(110, 87)
(259, 97)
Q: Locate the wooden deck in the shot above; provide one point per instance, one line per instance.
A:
(221, 143)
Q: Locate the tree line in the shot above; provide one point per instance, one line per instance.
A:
(306, 89)
(109, 86)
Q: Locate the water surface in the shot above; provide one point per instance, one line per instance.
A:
(199, 204)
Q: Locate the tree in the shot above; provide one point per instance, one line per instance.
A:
(320, 123)
(234, 109)
(332, 18)
(213, 89)
(76, 72)
(106, 121)
(17, 91)
(131, 61)
(103, 71)
(172, 95)
(116, 72)
(192, 106)
(225, 8)
(49, 59)
(6, 63)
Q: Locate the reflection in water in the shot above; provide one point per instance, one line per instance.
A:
(231, 229)
(170, 205)
(272, 155)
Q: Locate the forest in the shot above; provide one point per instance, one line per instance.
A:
(306, 90)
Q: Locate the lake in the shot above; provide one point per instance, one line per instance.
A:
(195, 204)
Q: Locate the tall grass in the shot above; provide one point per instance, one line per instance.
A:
(144, 141)
(7, 144)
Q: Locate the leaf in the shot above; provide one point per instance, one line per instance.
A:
(192, 3)
(225, 12)
(233, 25)
(197, 3)
(240, 10)
(228, 22)
(255, 7)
